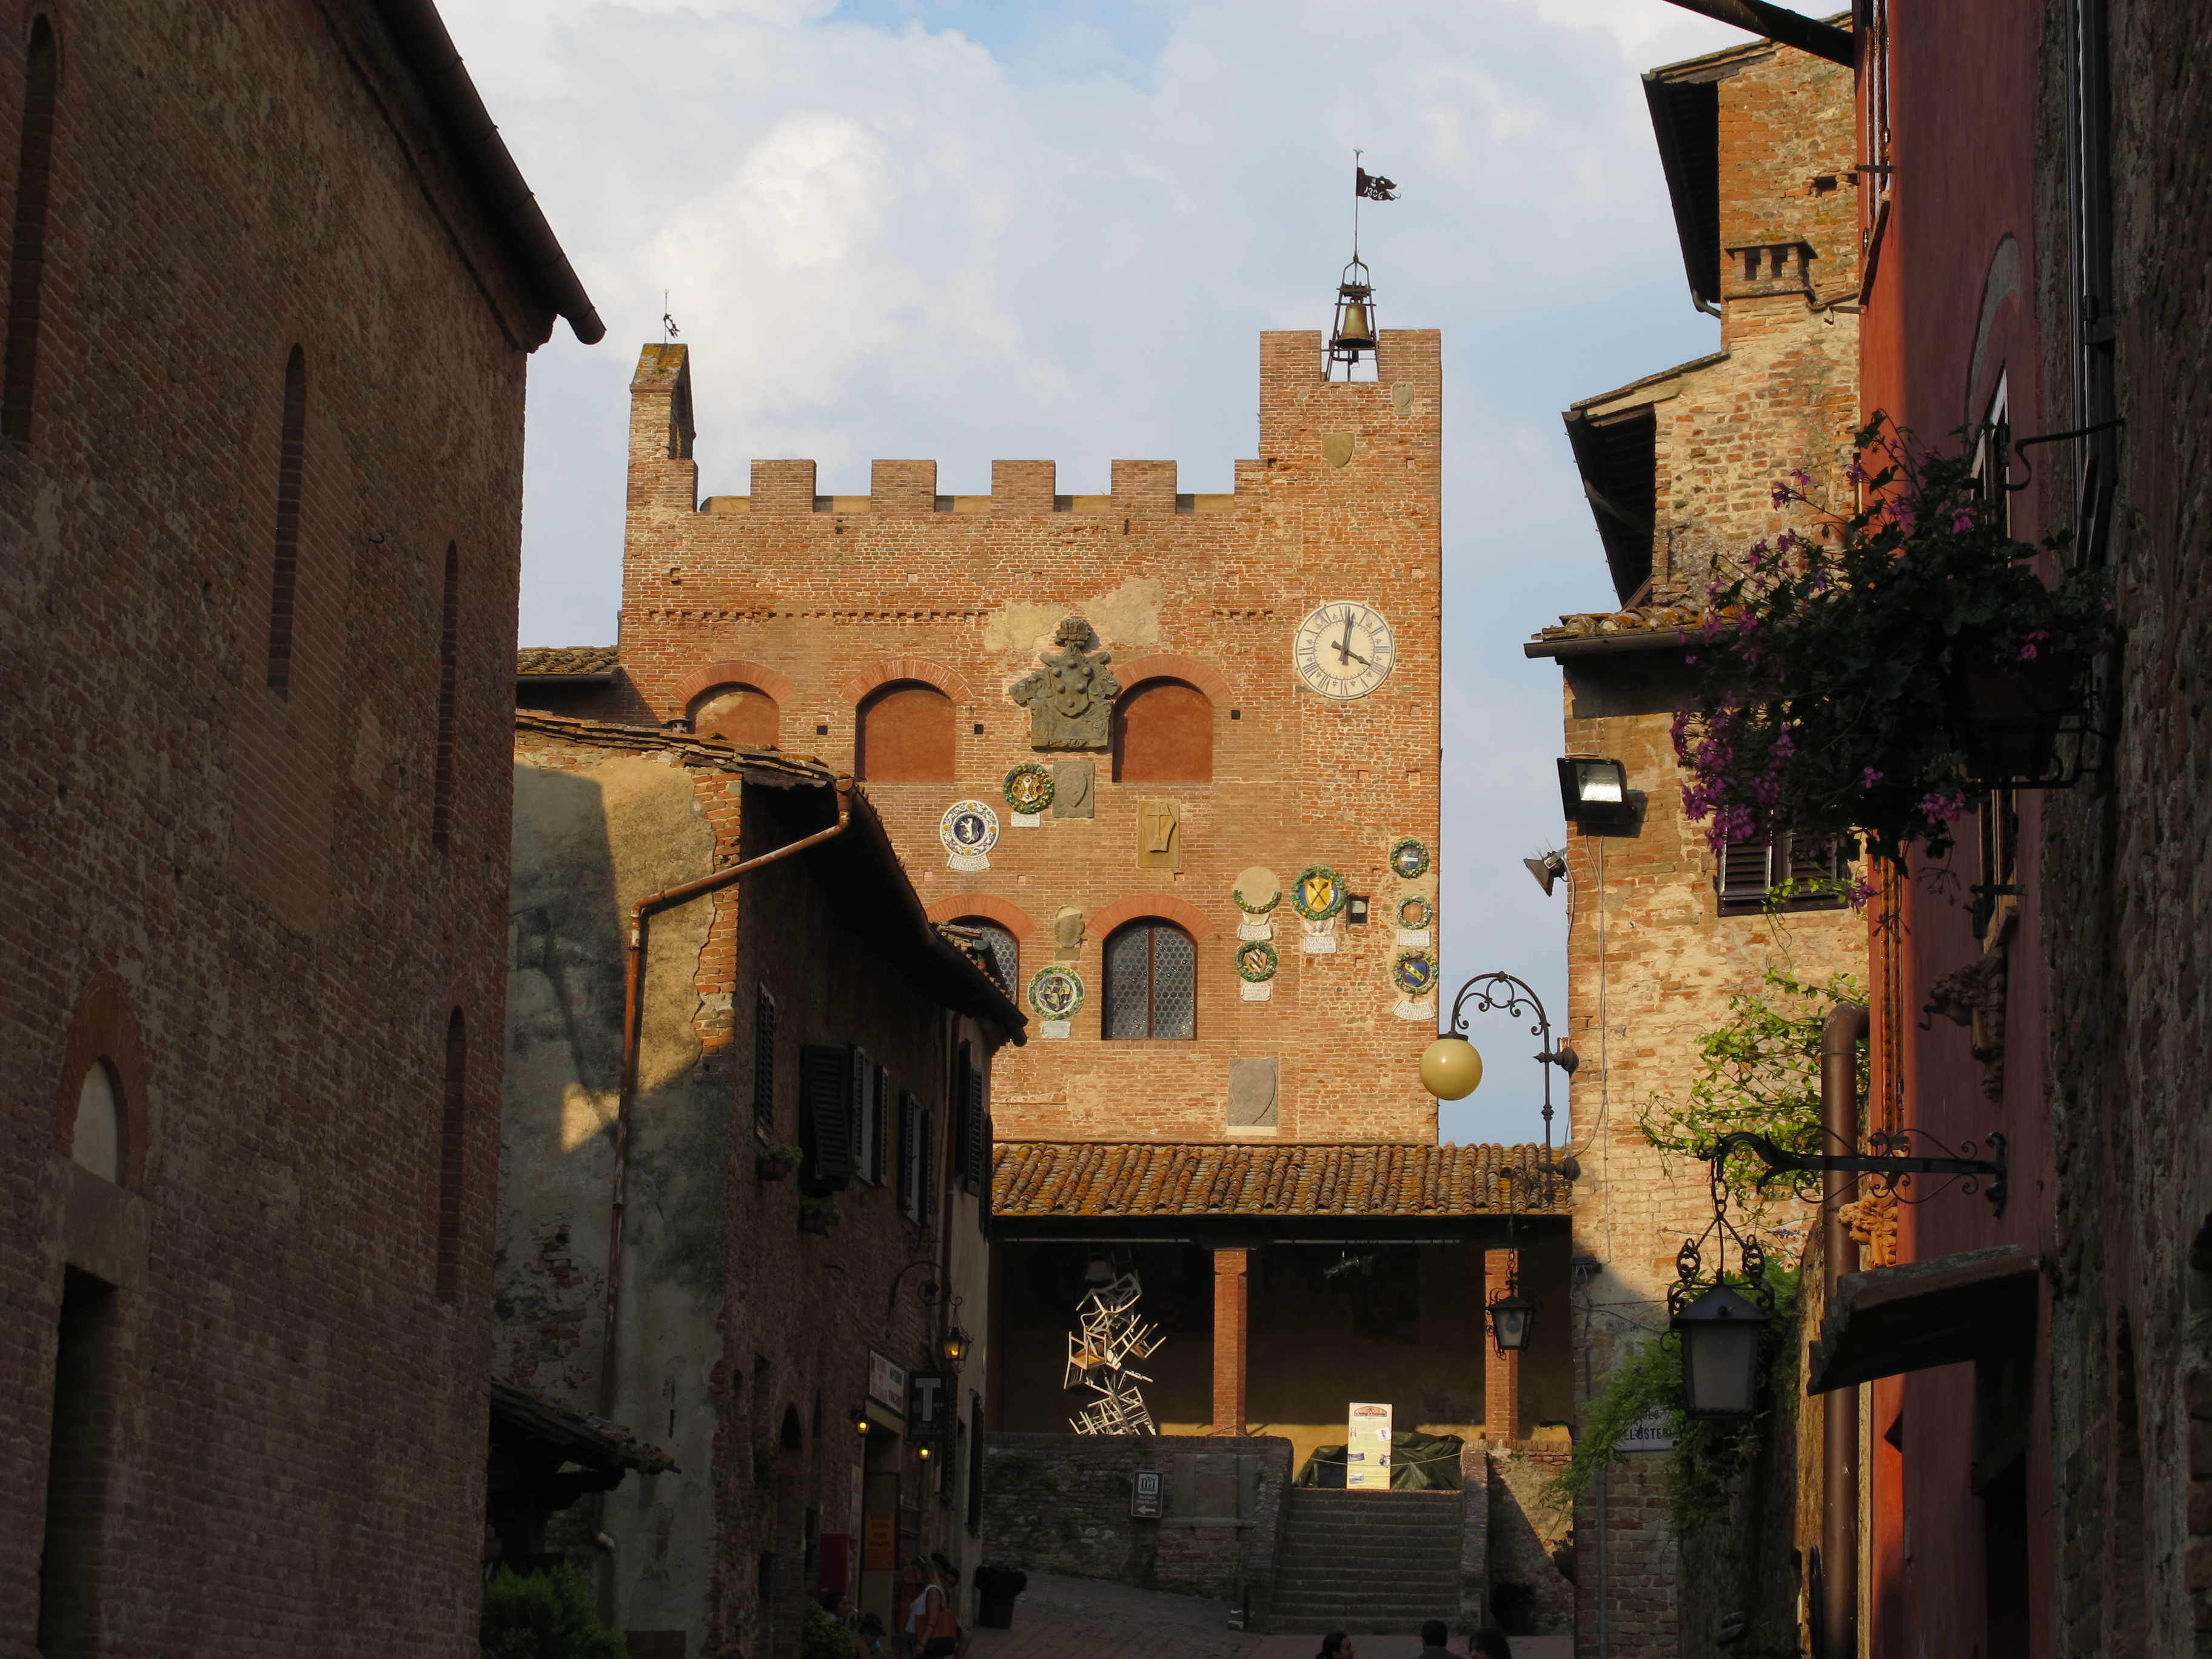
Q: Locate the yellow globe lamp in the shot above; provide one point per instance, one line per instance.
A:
(1450, 1068)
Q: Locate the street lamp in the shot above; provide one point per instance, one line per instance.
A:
(1720, 1331)
(1451, 1069)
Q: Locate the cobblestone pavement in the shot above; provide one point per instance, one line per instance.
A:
(1087, 1618)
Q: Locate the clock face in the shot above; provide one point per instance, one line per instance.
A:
(1344, 649)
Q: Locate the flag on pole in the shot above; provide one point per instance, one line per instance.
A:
(1374, 186)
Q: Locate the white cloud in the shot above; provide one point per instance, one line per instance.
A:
(969, 229)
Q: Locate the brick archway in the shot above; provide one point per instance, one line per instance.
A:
(1168, 908)
(735, 670)
(103, 1028)
(1167, 665)
(1011, 917)
(891, 670)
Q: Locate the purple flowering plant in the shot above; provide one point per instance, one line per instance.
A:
(1827, 691)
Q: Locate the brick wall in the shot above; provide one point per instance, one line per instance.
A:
(822, 600)
(231, 897)
(1060, 1504)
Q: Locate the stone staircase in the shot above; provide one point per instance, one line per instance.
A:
(1370, 1562)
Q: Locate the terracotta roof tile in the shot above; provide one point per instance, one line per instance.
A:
(565, 659)
(1585, 624)
(1353, 1178)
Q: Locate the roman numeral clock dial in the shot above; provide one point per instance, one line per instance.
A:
(1343, 650)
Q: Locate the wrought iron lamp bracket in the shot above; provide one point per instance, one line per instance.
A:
(1885, 1158)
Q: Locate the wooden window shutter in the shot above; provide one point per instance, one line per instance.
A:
(925, 1167)
(976, 1133)
(867, 1146)
(826, 1098)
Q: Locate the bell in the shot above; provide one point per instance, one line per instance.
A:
(1355, 334)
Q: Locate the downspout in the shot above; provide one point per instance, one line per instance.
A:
(640, 917)
(1840, 1037)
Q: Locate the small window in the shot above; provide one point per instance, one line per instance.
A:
(284, 565)
(763, 1066)
(96, 1142)
(743, 713)
(452, 1155)
(906, 735)
(1152, 982)
(1163, 733)
(1782, 872)
(1005, 949)
(449, 644)
(27, 263)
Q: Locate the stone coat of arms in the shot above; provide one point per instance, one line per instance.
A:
(1070, 698)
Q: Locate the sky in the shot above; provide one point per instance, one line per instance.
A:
(971, 228)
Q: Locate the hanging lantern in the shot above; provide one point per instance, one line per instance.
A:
(1720, 1331)
(1512, 1319)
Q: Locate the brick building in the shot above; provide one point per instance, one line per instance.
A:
(273, 282)
(1679, 468)
(791, 1152)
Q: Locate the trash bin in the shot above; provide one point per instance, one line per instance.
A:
(995, 1590)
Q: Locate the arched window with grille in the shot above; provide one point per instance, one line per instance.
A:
(1152, 982)
(1006, 951)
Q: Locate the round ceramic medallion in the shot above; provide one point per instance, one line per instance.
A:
(1028, 787)
(1416, 912)
(1055, 992)
(1409, 859)
(1257, 891)
(1318, 893)
(969, 828)
(1414, 972)
(1255, 961)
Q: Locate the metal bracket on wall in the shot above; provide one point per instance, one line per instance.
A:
(1984, 1175)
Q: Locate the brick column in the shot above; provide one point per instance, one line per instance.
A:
(1501, 1372)
(1228, 1330)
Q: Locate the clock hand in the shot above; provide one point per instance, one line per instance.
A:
(1355, 657)
(1344, 650)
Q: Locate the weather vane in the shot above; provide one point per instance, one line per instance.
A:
(1353, 334)
(669, 331)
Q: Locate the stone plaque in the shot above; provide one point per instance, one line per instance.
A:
(1071, 697)
(1336, 447)
(1159, 836)
(1067, 934)
(1073, 796)
(1254, 1086)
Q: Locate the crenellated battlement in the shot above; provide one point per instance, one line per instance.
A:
(1311, 428)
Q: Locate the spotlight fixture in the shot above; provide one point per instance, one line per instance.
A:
(1551, 867)
(1595, 792)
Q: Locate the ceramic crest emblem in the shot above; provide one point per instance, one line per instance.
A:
(1409, 859)
(1414, 972)
(1028, 787)
(1318, 893)
(969, 829)
(1055, 992)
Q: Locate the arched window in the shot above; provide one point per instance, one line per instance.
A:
(1163, 733)
(1005, 951)
(905, 735)
(1152, 981)
(743, 713)
(96, 1143)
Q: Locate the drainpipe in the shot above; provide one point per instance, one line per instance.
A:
(640, 917)
(1839, 1417)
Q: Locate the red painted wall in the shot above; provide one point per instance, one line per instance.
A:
(1948, 103)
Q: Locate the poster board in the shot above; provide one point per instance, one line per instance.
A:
(1367, 1447)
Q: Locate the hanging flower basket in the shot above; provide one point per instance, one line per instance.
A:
(1871, 672)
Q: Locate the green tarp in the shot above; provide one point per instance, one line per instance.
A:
(1418, 1462)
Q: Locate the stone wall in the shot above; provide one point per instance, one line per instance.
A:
(822, 600)
(1059, 1503)
(247, 1360)
(1531, 1542)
